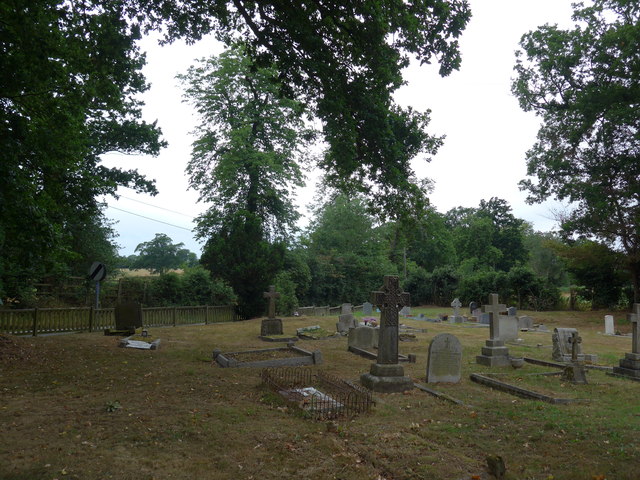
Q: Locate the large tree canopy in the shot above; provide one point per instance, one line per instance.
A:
(585, 84)
(69, 77)
(344, 59)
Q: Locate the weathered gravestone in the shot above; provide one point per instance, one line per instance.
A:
(508, 327)
(525, 322)
(563, 348)
(406, 311)
(494, 353)
(363, 337)
(346, 309)
(445, 359)
(456, 317)
(271, 325)
(367, 308)
(473, 306)
(512, 311)
(575, 372)
(345, 323)
(630, 364)
(387, 375)
(609, 328)
(128, 316)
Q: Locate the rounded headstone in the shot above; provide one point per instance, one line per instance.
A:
(444, 362)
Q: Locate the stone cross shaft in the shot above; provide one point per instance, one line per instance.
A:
(494, 308)
(390, 300)
(634, 319)
(272, 295)
(456, 306)
(574, 340)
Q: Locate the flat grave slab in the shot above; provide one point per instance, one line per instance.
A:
(268, 357)
(135, 341)
(315, 332)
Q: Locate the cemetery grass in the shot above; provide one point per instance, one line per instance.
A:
(78, 407)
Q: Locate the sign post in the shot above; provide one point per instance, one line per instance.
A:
(97, 273)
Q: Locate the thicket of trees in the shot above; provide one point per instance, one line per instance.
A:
(70, 79)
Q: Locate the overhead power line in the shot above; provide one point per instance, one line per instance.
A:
(155, 206)
(152, 219)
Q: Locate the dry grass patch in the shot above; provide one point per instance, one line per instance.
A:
(79, 407)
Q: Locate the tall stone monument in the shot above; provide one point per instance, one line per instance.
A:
(387, 375)
(271, 325)
(494, 353)
(630, 364)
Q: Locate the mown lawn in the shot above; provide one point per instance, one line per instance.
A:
(78, 407)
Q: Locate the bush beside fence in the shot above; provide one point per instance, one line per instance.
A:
(34, 321)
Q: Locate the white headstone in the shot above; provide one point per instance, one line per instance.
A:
(609, 328)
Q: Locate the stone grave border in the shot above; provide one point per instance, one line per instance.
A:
(441, 396)
(411, 358)
(306, 358)
(340, 397)
(275, 339)
(521, 392)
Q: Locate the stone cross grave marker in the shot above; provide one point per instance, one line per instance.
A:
(494, 309)
(391, 299)
(574, 340)
(387, 375)
(456, 307)
(630, 364)
(272, 295)
(445, 359)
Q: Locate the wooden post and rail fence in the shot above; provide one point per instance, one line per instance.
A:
(35, 321)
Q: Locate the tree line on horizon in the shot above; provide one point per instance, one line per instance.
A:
(70, 80)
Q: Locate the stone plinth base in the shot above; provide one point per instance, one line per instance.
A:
(271, 326)
(494, 354)
(575, 373)
(629, 365)
(386, 379)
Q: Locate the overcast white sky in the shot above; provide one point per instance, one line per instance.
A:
(487, 134)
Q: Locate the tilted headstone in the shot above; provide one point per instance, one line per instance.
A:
(494, 353)
(630, 364)
(473, 306)
(609, 328)
(444, 362)
(387, 375)
(363, 337)
(367, 308)
(345, 323)
(128, 316)
(272, 325)
(346, 309)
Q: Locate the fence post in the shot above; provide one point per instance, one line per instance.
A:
(174, 316)
(206, 314)
(35, 322)
(91, 313)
